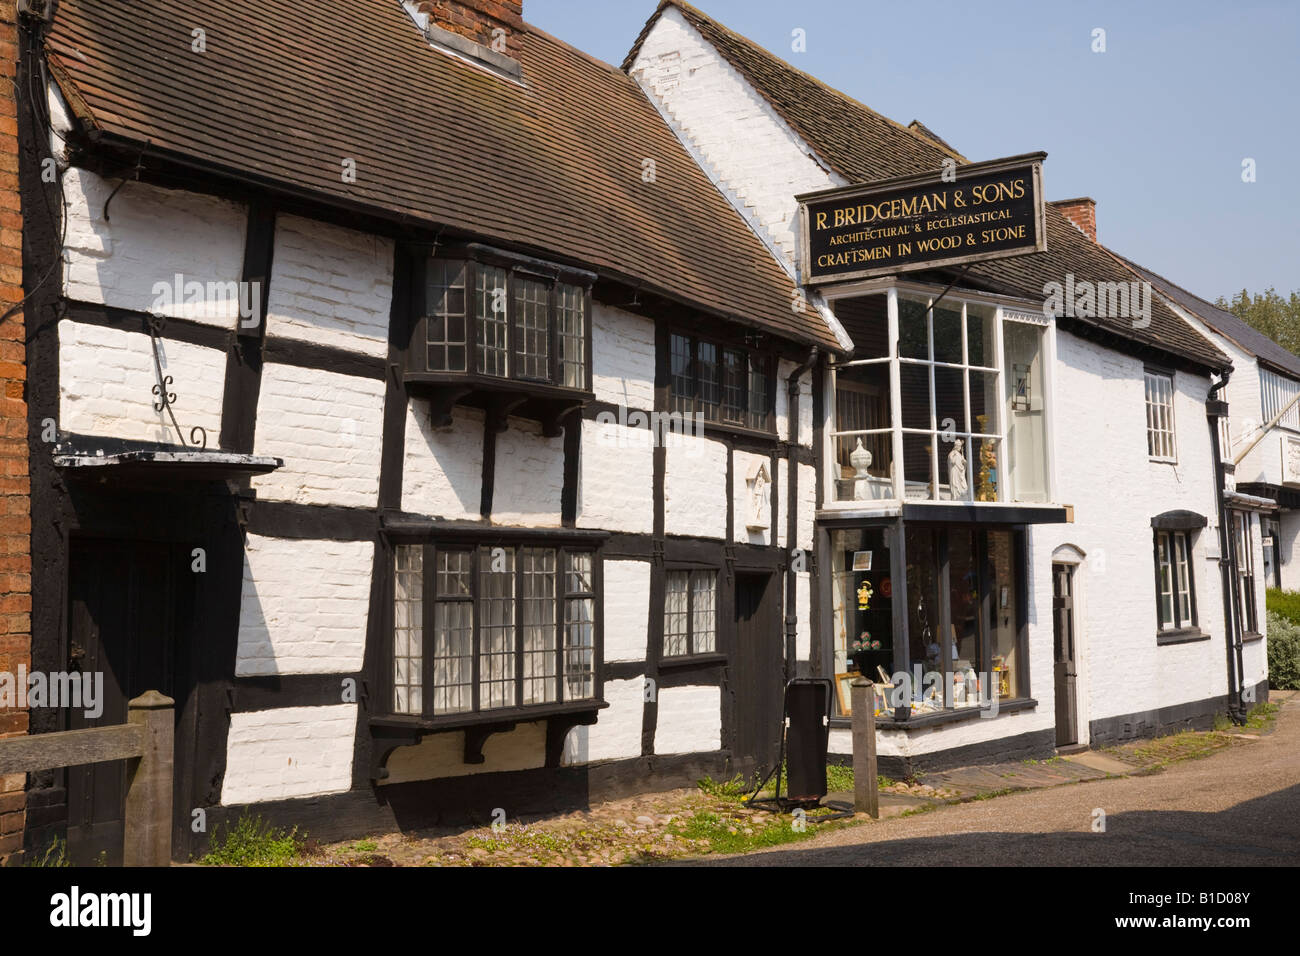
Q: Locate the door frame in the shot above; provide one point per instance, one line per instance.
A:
(1077, 559)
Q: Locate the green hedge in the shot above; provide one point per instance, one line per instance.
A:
(1283, 650)
(1285, 603)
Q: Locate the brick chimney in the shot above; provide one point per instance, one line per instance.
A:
(490, 31)
(1082, 212)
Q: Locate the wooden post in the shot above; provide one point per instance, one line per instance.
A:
(148, 837)
(866, 796)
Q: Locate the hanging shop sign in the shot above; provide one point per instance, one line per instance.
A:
(990, 210)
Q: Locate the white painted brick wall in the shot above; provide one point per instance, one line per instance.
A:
(443, 755)
(106, 378)
(443, 472)
(627, 607)
(327, 428)
(695, 487)
(304, 606)
(289, 752)
(330, 286)
(615, 479)
(758, 161)
(617, 733)
(153, 235)
(623, 356)
(529, 477)
(1100, 416)
(689, 721)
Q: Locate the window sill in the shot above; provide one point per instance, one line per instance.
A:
(942, 717)
(1250, 637)
(1181, 635)
(541, 402)
(398, 730)
(692, 660)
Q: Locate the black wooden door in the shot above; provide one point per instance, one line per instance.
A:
(758, 669)
(1067, 711)
(129, 603)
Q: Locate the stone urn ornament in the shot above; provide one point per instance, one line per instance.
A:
(860, 459)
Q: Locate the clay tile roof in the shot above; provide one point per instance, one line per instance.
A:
(863, 146)
(1246, 336)
(287, 89)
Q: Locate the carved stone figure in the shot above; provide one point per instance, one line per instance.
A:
(957, 481)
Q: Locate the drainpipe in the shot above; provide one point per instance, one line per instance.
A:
(1216, 409)
(792, 510)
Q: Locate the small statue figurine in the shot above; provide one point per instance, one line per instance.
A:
(864, 596)
(957, 482)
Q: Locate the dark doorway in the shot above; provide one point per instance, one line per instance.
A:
(1067, 710)
(130, 606)
(758, 673)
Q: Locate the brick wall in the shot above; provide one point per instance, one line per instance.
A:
(476, 19)
(15, 511)
(1081, 212)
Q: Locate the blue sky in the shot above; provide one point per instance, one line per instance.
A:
(1155, 128)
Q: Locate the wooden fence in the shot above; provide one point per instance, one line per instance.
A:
(145, 742)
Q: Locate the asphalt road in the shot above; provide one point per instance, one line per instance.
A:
(1237, 807)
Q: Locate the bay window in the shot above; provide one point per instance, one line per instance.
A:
(479, 628)
(950, 615)
(957, 411)
(494, 330)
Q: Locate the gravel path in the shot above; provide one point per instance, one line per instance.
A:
(1237, 807)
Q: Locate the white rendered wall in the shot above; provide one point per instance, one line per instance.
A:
(623, 357)
(528, 475)
(689, 721)
(330, 286)
(626, 605)
(615, 479)
(328, 429)
(617, 733)
(1100, 414)
(289, 752)
(695, 487)
(443, 472)
(150, 237)
(106, 381)
(304, 606)
(757, 160)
